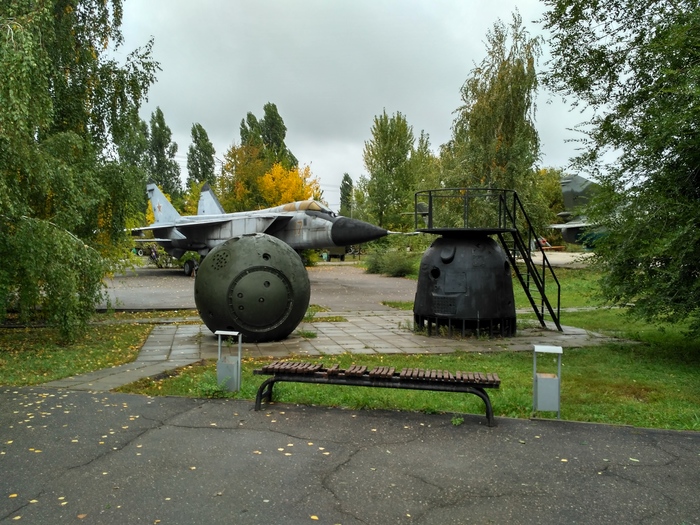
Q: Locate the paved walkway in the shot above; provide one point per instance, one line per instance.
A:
(174, 345)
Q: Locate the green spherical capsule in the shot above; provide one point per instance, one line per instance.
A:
(254, 284)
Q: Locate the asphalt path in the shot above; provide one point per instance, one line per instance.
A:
(340, 287)
(77, 457)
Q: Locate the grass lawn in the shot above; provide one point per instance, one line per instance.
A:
(632, 384)
(30, 356)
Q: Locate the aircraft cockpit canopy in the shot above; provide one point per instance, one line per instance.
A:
(308, 206)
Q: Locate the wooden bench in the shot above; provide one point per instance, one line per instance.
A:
(379, 377)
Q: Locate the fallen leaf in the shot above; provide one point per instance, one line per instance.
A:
(13, 495)
(82, 516)
(314, 517)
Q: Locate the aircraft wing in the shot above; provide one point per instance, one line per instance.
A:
(570, 224)
(204, 229)
(225, 228)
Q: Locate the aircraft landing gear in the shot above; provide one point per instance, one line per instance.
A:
(190, 267)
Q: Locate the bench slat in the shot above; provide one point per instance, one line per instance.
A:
(381, 372)
(379, 376)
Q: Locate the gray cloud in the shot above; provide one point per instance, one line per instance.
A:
(329, 66)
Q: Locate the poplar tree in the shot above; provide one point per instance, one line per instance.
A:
(390, 182)
(200, 157)
(346, 197)
(163, 168)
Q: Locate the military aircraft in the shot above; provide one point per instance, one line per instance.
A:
(302, 225)
(576, 191)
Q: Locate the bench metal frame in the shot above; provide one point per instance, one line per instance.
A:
(380, 377)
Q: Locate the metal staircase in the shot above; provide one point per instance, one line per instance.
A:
(499, 213)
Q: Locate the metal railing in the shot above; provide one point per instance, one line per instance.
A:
(496, 212)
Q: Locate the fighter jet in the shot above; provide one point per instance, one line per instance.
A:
(302, 225)
(576, 191)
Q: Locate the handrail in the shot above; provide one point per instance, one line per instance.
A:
(510, 212)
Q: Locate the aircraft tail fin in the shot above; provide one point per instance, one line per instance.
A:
(163, 211)
(208, 203)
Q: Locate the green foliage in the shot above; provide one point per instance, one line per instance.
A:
(346, 197)
(262, 147)
(495, 143)
(163, 168)
(237, 185)
(637, 65)
(393, 263)
(65, 111)
(267, 135)
(391, 183)
(200, 157)
(425, 166)
(310, 257)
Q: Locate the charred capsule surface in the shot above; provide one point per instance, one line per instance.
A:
(465, 285)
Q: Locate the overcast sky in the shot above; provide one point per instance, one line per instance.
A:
(330, 66)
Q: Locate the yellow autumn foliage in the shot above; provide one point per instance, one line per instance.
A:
(280, 185)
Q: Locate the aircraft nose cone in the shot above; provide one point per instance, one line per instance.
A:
(345, 232)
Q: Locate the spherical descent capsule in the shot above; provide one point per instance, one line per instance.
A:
(254, 284)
